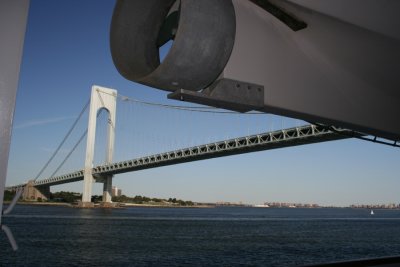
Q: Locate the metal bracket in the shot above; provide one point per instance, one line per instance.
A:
(227, 94)
(288, 19)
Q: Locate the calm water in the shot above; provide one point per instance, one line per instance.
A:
(60, 236)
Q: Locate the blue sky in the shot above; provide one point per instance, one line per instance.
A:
(67, 51)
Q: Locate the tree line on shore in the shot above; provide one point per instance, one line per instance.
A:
(147, 200)
(73, 197)
(8, 195)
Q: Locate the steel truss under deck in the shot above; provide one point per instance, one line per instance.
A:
(271, 140)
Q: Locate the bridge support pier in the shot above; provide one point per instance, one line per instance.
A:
(34, 193)
(101, 98)
(107, 187)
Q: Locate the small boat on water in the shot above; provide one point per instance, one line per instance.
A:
(372, 212)
(261, 206)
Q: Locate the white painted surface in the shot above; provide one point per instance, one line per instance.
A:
(101, 98)
(13, 18)
(337, 70)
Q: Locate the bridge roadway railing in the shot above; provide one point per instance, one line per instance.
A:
(307, 134)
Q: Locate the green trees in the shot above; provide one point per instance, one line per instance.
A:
(154, 201)
(72, 197)
(8, 195)
(122, 198)
(69, 197)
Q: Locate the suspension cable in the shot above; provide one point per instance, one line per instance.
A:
(63, 141)
(73, 148)
(69, 154)
(187, 108)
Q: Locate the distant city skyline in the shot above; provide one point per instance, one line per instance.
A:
(67, 51)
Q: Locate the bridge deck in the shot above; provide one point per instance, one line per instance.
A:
(271, 140)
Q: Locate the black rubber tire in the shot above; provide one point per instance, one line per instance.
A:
(199, 53)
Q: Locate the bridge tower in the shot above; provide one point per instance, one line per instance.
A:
(101, 98)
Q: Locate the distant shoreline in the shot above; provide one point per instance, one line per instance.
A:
(62, 204)
(97, 205)
(164, 206)
(133, 205)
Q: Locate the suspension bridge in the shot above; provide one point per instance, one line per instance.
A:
(284, 134)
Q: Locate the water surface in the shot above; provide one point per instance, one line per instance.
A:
(225, 236)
